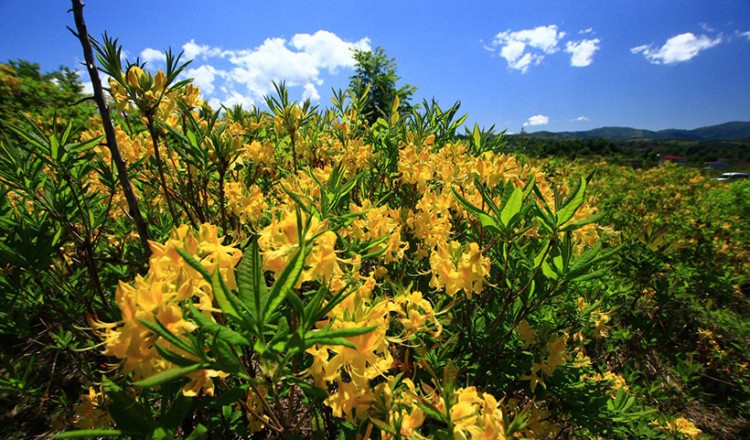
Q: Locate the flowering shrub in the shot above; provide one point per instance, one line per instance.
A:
(312, 275)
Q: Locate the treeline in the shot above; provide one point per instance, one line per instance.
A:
(647, 151)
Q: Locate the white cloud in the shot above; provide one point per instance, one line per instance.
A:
(272, 61)
(328, 50)
(528, 46)
(586, 31)
(88, 86)
(233, 99)
(582, 52)
(537, 120)
(152, 55)
(204, 77)
(310, 93)
(678, 49)
(745, 34)
(581, 119)
(191, 51)
(244, 76)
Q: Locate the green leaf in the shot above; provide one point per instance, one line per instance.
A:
(126, 412)
(216, 329)
(286, 281)
(329, 341)
(511, 207)
(487, 197)
(250, 282)
(575, 225)
(477, 137)
(161, 433)
(177, 411)
(221, 295)
(572, 204)
(195, 264)
(542, 253)
(335, 337)
(170, 337)
(200, 432)
(86, 433)
(169, 375)
(484, 219)
(174, 357)
(226, 359)
(394, 110)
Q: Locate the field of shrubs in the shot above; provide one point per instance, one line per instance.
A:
(301, 272)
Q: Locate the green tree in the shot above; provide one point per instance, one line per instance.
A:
(24, 90)
(378, 72)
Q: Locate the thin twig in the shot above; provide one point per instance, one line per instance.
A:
(109, 129)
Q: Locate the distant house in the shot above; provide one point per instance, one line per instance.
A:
(679, 160)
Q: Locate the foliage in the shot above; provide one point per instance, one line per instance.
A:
(24, 90)
(317, 274)
(375, 76)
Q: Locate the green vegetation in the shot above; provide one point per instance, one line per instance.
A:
(359, 271)
(27, 93)
(375, 73)
(727, 143)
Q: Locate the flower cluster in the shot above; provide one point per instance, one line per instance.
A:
(159, 297)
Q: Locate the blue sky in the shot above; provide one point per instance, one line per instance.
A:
(539, 65)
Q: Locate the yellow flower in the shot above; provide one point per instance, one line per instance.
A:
(158, 295)
(456, 267)
(476, 415)
(350, 401)
(683, 427)
(91, 411)
(279, 242)
(526, 333)
(256, 418)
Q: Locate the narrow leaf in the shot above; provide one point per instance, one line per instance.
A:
(250, 282)
(127, 412)
(168, 375)
(511, 207)
(573, 203)
(159, 329)
(287, 279)
(484, 219)
(87, 433)
(214, 328)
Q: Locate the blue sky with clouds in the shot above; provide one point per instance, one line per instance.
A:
(539, 65)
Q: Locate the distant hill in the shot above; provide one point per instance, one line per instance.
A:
(728, 131)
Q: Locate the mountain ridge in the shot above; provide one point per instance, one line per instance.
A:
(735, 130)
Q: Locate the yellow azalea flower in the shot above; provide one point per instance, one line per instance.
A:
(256, 418)
(600, 323)
(476, 415)
(91, 411)
(157, 296)
(279, 242)
(681, 427)
(557, 355)
(248, 204)
(417, 314)
(160, 80)
(201, 381)
(134, 75)
(534, 378)
(526, 333)
(455, 267)
(350, 401)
